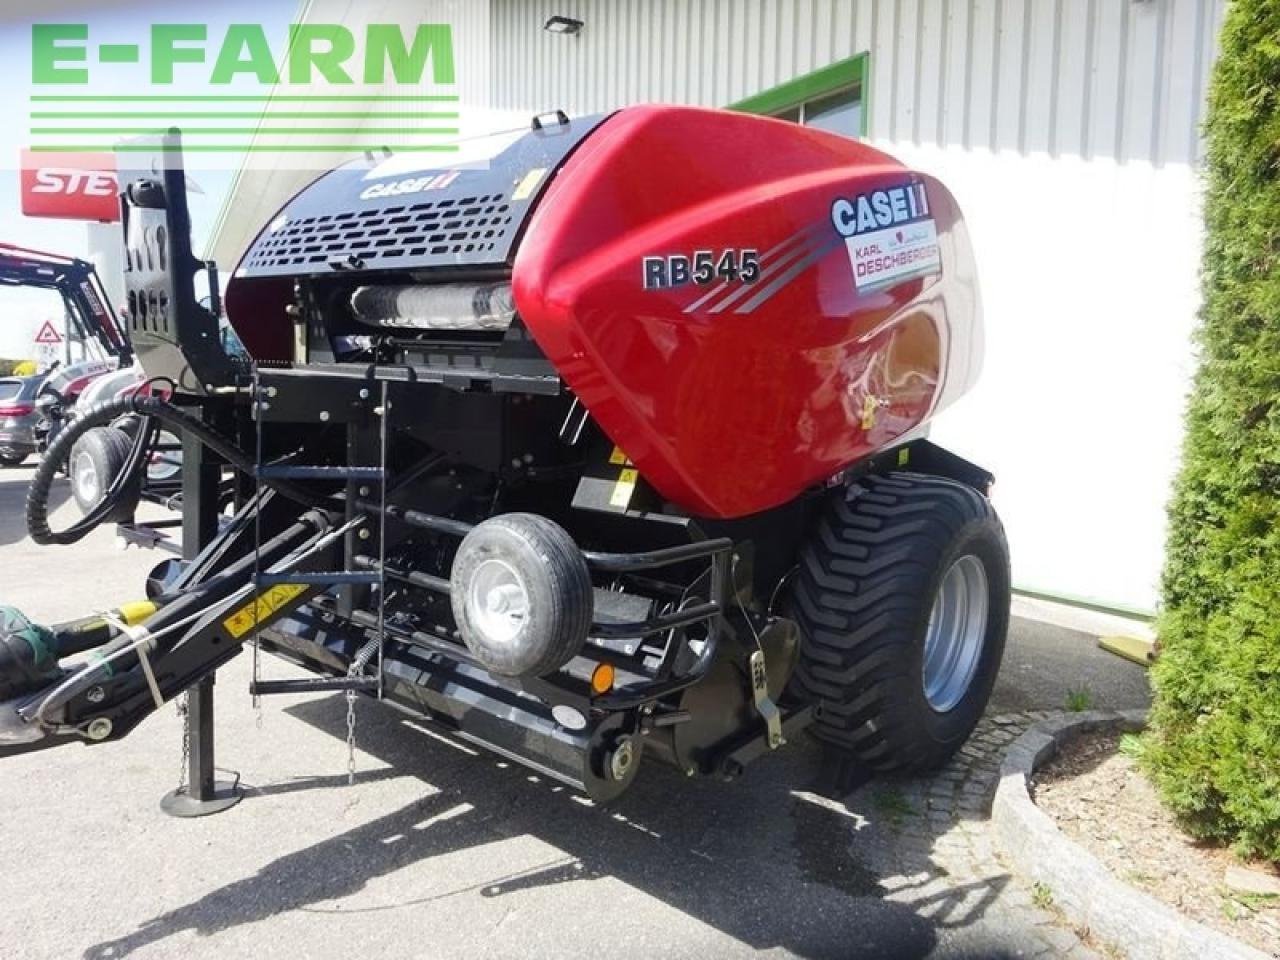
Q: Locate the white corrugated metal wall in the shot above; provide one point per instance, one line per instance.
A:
(1068, 130)
(1097, 78)
(1093, 78)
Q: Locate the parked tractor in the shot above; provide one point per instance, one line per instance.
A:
(34, 407)
(606, 441)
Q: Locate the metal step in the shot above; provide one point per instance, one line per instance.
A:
(322, 578)
(263, 688)
(298, 471)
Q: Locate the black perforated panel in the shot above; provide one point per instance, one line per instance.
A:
(461, 227)
(174, 337)
(353, 220)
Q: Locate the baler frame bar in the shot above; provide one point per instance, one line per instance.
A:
(717, 550)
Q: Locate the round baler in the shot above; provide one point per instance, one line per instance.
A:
(615, 430)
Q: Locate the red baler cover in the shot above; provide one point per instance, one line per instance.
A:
(746, 306)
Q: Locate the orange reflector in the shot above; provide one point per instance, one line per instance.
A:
(602, 678)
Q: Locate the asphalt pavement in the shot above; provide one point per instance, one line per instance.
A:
(441, 851)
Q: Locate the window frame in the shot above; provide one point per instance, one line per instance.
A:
(851, 72)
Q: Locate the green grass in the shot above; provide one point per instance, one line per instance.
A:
(1139, 877)
(1078, 701)
(1041, 895)
(893, 806)
(1252, 902)
(1132, 746)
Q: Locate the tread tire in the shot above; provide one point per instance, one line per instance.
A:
(108, 447)
(862, 599)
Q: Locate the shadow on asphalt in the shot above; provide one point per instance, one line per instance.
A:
(761, 860)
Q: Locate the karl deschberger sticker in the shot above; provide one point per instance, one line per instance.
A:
(889, 234)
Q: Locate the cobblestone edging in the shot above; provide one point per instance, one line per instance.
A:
(1086, 892)
(940, 858)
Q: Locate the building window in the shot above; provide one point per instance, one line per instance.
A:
(833, 98)
(839, 112)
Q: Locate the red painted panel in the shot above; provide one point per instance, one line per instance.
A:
(734, 396)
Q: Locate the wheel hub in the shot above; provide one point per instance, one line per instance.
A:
(85, 477)
(498, 600)
(956, 632)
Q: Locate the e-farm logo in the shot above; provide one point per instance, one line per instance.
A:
(304, 99)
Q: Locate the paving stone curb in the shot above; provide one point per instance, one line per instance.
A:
(935, 854)
(1086, 892)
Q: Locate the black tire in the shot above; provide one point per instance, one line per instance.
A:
(104, 450)
(557, 586)
(8, 459)
(171, 460)
(863, 599)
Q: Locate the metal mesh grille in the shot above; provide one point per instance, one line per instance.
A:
(459, 228)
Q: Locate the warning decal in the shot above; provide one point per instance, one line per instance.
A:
(524, 189)
(261, 608)
(48, 334)
(624, 488)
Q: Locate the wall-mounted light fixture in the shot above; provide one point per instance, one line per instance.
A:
(566, 25)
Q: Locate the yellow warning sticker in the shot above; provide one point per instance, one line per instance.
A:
(624, 488)
(527, 185)
(261, 608)
(618, 458)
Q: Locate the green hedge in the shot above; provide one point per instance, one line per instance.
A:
(1214, 748)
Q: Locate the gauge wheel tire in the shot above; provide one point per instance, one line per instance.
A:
(95, 461)
(8, 459)
(521, 595)
(164, 466)
(902, 599)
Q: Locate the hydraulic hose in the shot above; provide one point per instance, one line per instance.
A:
(116, 488)
(158, 411)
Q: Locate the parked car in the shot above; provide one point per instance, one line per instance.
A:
(18, 418)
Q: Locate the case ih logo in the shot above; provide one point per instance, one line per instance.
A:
(69, 186)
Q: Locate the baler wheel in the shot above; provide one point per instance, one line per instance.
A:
(95, 461)
(903, 605)
(521, 595)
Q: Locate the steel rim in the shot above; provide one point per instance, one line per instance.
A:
(497, 601)
(164, 465)
(85, 476)
(957, 629)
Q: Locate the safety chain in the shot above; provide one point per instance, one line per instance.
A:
(351, 735)
(259, 406)
(183, 703)
(358, 663)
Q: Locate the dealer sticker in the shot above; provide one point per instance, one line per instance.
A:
(889, 234)
(895, 254)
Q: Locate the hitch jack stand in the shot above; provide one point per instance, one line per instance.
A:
(204, 794)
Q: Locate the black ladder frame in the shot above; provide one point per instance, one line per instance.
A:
(366, 438)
